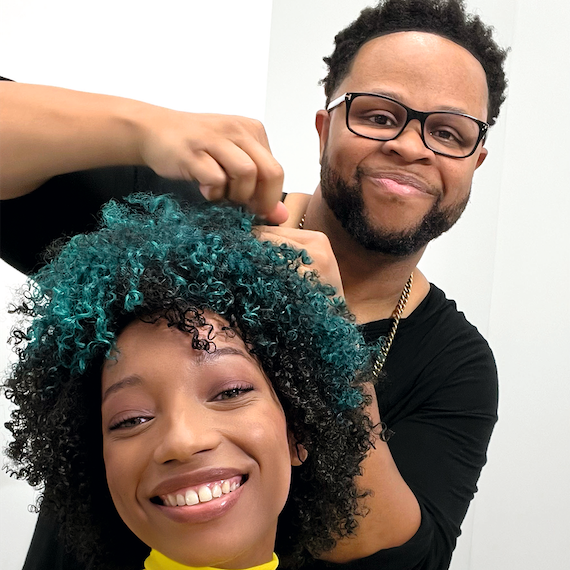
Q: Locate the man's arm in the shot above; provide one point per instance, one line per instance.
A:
(69, 204)
(442, 405)
(393, 511)
(441, 402)
(47, 131)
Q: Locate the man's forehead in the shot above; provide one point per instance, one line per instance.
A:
(411, 38)
(413, 63)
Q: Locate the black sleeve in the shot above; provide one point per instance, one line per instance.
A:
(441, 448)
(46, 551)
(68, 204)
(440, 399)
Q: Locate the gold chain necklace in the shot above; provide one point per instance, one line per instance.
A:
(386, 342)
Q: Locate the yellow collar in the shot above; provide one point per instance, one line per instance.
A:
(157, 561)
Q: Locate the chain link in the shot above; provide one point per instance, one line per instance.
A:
(396, 315)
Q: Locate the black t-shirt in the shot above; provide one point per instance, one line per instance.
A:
(68, 204)
(440, 399)
(439, 395)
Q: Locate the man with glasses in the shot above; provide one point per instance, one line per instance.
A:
(413, 86)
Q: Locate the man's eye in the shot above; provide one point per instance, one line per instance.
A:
(443, 134)
(130, 422)
(382, 120)
(233, 392)
(446, 135)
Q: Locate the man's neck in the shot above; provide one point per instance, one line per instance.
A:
(372, 282)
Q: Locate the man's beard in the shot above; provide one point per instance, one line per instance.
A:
(347, 204)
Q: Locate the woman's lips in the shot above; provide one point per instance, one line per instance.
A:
(202, 493)
(209, 506)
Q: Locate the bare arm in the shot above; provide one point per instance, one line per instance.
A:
(46, 131)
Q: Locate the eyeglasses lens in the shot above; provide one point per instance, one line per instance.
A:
(382, 119)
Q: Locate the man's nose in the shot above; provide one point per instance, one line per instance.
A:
(409, 144)
(185, 432)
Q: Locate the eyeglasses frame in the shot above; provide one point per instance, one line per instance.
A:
(412, 114)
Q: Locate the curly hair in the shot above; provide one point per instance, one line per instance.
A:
(446, 18)
(152, 258)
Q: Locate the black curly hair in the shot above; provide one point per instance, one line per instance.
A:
(153, 259)
(446, 18)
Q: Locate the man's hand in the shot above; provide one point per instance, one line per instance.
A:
(316, 244)
(228, 155)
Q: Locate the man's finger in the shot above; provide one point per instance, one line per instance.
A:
(269, 183)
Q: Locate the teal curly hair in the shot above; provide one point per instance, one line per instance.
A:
(154, 259)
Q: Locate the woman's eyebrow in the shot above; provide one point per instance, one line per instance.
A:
(205, 357)
(202, 357)
(123, 383)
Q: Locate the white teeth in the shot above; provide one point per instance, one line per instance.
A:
(205, 494)
(192, 497)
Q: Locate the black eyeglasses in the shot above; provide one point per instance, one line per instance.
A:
(380, 118)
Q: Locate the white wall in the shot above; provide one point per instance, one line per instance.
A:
(523, 517)
(506, 262)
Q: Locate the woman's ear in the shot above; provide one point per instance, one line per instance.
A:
(297, 452)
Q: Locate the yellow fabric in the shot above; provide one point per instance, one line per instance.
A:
(157, 561)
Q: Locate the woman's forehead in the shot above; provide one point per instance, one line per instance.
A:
(205, 340)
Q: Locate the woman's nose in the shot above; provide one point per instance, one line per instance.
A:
(185, 432)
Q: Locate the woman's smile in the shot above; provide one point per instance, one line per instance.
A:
(203, 493)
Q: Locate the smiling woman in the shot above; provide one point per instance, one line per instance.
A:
(194, 440)
(174, 371)
(194, 443)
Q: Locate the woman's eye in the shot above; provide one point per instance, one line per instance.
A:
(130, 422)
(233, 392)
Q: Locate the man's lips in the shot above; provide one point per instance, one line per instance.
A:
(402, 184)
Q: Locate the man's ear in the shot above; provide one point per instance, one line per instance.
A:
(322, 122)
(482, 156)
(297, 452)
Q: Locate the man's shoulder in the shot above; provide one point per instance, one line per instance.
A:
(438, 356)
(438, 312)
(435, 314)
(444, 341)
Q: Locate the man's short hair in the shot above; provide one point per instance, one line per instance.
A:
(446, 18)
